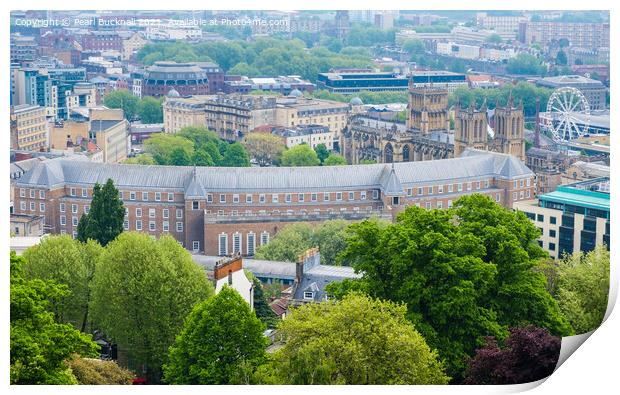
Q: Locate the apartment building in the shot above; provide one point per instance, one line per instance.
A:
(28, 128)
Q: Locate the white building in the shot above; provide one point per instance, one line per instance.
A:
(229, 271)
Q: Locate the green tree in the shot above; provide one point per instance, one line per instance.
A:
(142, 159)
(414, 46)
(583, 288)
(561, 58)
(368, 162)
(472, 264)
(358, 340)
(39, 345)
(525, 64)
(202, 158)
(91, 371)
(335, 160)
(124, 100)
(105, 219)
(220, 340)
(264, 148)
(161, 145)
(150, 110)
(321, 152)
(235, 156)
(179, 157)
(68, 262)
(142, 292)
(300, 155)
(494, 39)
(291, 241)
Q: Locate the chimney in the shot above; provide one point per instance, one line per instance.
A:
(227, 265)
(306, 261)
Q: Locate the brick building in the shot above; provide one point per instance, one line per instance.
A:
(219, 211)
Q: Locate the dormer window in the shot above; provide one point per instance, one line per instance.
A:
(308, 295)
(395, 200)
(195, 205)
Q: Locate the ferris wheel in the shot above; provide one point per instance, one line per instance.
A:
(568, 114)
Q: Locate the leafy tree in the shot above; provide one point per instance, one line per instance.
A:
(123, 99)
(142, 159)
(368, 162)
(142, 292)
(261, 302)
(264, 148)
(150, 110)
(90, 371)
(561, 59)
(583, 288)
(494, 39)
(39, 345)
(473, 263)
(529, 354)
(414, 46)
(525, 64)
(300, 155)
(202, 158)
(198, 135)
(321, 152)
(221, 338)
(235, 156)
(105, 219)
(68, 262)
(335, 160)
(244, 69)
(179, 157)
(358, 340)
(161, 146)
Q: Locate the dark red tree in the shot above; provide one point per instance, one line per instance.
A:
(529, 354)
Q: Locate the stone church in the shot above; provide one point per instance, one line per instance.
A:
(427, 134)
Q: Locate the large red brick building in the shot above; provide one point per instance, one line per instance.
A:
(219, 211)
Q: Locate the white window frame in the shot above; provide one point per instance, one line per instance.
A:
(264, 238)
(42, 194)
(165, 213)
(362, 195)
(250, 244)
(235, 198)
(179, 213)
(42, 207)
(152, 226)
(209, 198)
(75, 221)
(138, 224)
(248, 198)
(179, 227)
(326, 196)
(222, 244)
(74, 208)
(261, 198)
(138, 212)
(450, 188)
(274, 198)
(152, 213)
(170, 197)
(237, 242)
(157, 196)
(338, 196)
(222, 198)
(63, 220)
(288, 197)
(145, 196)
(84, 192)
(195, 246)
(126, 224)
(132, 195)
(62, 207)
(165, 226)
(22, 192)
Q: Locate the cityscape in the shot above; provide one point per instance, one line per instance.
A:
(306, 197)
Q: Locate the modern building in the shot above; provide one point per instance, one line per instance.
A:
(582, 35)
(23, 48)
(186, 78)
(29, 129)
(501, 23)
(354, 82)
(594, 91)
(220, 211)
(284, 85)
(575, 217)
(438, 79)
(215, 76)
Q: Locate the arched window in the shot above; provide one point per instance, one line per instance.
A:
(406, 153)
(388, 153)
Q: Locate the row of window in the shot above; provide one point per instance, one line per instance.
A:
(32, 193)
(145, 196)
(237, 243)
(430, 190)
(288, 197)
(74, 208)
(152, 226)
(152, 212)
(521, 195)
(522, 183)
(33, 206)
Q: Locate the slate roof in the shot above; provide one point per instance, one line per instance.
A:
(472, 164)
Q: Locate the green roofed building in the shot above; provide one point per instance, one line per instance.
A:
(574, 217)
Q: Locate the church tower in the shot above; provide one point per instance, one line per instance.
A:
(470, 128)
(427, 110)
(509, 129)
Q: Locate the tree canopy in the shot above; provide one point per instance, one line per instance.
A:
(142, 291)
(104, 221)
(300, 155)
(264, 148)
(220, 342)
(40, 345)
(150, 110)
(525, 63)
(91, 371)
(358, 340)
(335, 160)
(321, 152)
(124, 100)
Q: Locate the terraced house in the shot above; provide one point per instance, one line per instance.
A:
(219, 211)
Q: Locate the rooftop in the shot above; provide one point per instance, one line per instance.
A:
(591, 193)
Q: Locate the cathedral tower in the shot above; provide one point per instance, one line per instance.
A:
(427, 110)
(509, 129)
(470, 128)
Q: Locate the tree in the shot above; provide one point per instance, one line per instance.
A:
(69, 262)
(561, 59)
(202, 158)
(358, 340)
(414, 46)
(321, 152)
(494, 39)
(289, 242)
(264, 148)
(142, 292)
(473, 263)
(220, 340)
(105, 219)
(179, 157)
(583, 288)
(161, 145)
(150, 110)
(142, 159)
(525, 63)
(124, 100)
(261, 302)
(530, 354)
(235, 156)
(39, 345)
(335, 160)
(90, 371)
(300, 155)
(368, 162)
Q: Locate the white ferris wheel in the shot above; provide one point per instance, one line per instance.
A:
(568, 114)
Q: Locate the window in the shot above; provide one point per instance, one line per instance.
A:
(300, 197)
(84, 192)
(449, 203)
(223, 244)
(351, 195)
(528, 182)
(22, 192)
(120, 195)
(157, 196)
(41, 194)
(326, 196)
(145, 196)
(477, 184)
(439, 204)
(251, 243)
(274, 198)
(308, 295)
(409, 191)
(22, 206)
(540, 218)
(132, 196)
(486, 183)
(430, 190)
(515, 183)
(179, 226)
(460, 187)
(31, 206)
(264, 238)
(552, 220)
(195, 205)
(514, 196)
(450, 188)
(363, 195)
(71, 192)
(74, 221)
(313, 197)
(469, 186)
(152, 226)
(62, 207)
(165, 213)
(236, 242)
(220, 212)
(339, 196)
(261, 198)
(126, 225)
(552, 246)
(527, 193)
(420, 191)
(74, 208)
(428, 205)
(497, 198)
(138, 224)
(235, 198)
(521, 195)
(222, 198)
(287, 198)
(63, 220)
(126, 211)
(196, 246)
(179, 213)
(151, 213)
(170, 197)
(552, 233)
(139, 212)
(375, 194)
(86, 209)
(32, 194)
(209, 198)
(165, 226)
(440, 189)
(521, 183)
